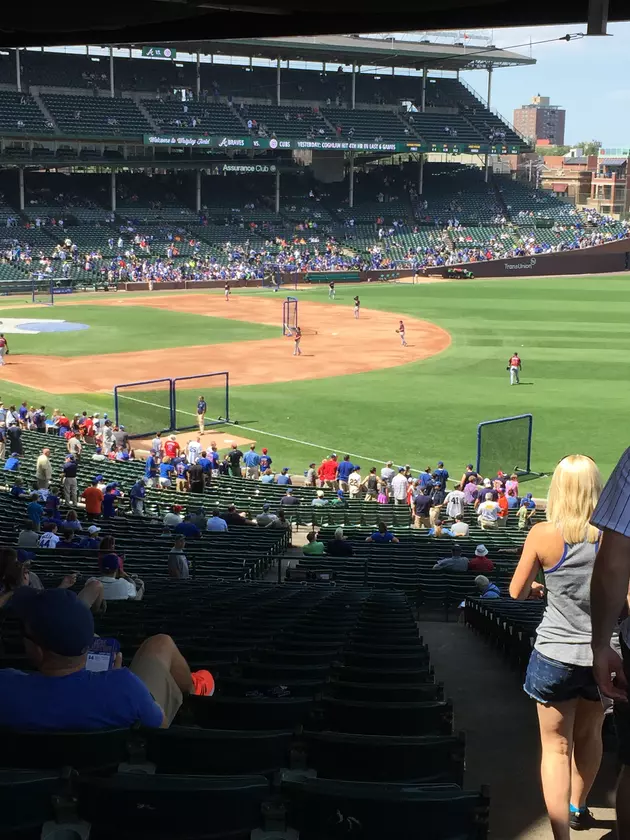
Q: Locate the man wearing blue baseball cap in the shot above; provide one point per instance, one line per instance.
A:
(339, 500)
(526, 512)
(58, 630)
(284, 477)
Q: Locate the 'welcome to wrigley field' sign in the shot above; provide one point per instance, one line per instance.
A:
(264, 143)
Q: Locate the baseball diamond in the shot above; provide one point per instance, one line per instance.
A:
(354, 371)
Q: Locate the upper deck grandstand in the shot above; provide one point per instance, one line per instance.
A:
(334, 135)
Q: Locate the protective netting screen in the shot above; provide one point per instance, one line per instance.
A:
(144, 407)
(188, 391)
(289, 315)
(504, 444)
(41, 291)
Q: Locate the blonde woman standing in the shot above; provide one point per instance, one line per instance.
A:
(560, 675)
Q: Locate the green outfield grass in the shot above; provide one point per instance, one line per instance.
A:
(573, 335)
(128, 328)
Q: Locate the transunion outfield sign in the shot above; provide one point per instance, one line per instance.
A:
(219, 141)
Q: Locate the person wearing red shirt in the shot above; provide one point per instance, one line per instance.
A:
(481, 562)
(86, 425)
(514, 367)
(171, 447)
(328, 472)
(93, 498)
(505, 508)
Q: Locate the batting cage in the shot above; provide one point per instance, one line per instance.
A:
(42, 290)
(505, 444)
(289, 315)
(144, 407)
(169, 405)
(215, 390)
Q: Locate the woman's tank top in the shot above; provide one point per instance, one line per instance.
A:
(564, 633)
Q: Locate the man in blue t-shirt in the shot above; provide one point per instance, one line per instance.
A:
(441, 474)
(343, 471)
(205, 463)
(382, 535)
(181, 472)
(214, 457)
(62, 694)
(137, 495)
(12, 464)
(109, 504)
(265, 461)
(166, 469)
(284, 477)
(151, 470)
(251, 459)
(35, 511)
(92, 540)
(187, 529)
(202, 408)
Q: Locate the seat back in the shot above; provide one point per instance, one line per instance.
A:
(418, 759)
(249, 712)
(431, 718)
(136, 805)
(183, 749)
(54, 750)
(320, 809)
(26, 799)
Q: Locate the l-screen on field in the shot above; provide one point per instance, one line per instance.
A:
(355, 388)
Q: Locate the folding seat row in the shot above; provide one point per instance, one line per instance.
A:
(128, 805)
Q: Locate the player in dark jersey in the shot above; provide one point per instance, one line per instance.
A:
(357, 306)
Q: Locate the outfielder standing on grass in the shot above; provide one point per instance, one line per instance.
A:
(331, 290)
(514, 367)
(357, 306)
(297, 337)
(401, 333)
(202, 407)
(4, 348)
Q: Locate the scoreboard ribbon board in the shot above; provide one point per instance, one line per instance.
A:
(337, 276)
(159, 52)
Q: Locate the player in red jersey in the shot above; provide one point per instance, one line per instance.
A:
(401, 333)
(514, 367)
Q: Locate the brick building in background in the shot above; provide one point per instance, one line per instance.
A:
(541, 121)
(610, 187)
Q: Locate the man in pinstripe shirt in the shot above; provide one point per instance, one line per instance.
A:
(609, 598)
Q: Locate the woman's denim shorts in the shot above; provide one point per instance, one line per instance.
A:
(550, 681)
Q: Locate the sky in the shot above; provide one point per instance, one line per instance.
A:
(589, 77)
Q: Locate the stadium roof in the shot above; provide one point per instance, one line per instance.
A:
(349, 49)
(133, 21)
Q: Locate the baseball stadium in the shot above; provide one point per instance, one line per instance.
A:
(297, 382)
